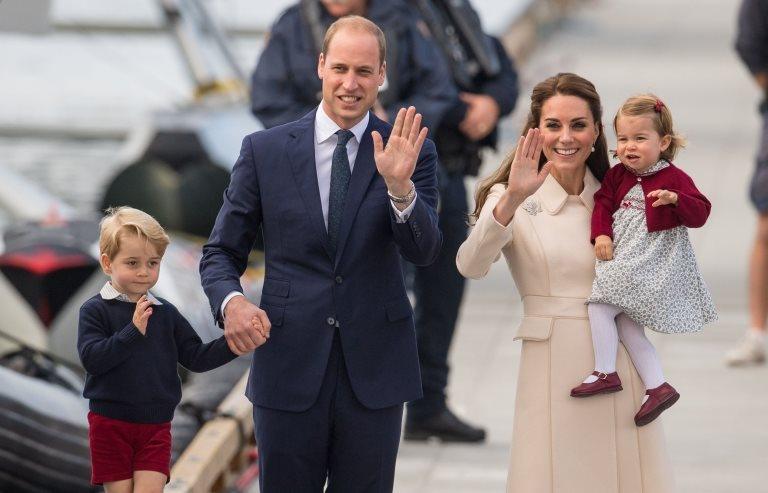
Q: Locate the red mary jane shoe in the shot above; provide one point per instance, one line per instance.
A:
(659, 400)
(605, 384)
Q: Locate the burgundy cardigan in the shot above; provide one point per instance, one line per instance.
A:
(692, 207)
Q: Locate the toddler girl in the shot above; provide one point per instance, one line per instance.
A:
(646, 273)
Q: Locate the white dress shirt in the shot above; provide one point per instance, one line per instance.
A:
(325, 144)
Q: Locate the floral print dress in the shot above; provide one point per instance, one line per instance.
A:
(653, 276)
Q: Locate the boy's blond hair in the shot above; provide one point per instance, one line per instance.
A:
(651, 106)
(123, 220)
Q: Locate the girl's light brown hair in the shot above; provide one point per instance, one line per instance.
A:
(654, 108)
(565, 84)
(121, 221)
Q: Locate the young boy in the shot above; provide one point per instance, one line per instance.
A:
(129, 343)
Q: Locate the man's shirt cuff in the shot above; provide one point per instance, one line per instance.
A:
(226, 300)
(402, 216)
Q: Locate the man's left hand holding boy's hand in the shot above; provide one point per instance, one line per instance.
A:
(246, 326)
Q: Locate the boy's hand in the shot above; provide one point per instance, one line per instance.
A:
(665, 197)
(240, 331)
(142, 313)
(604, 247)
(257, 324)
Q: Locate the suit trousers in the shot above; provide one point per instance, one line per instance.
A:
(337, 439)
(439, 289)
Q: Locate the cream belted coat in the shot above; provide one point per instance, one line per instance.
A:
(562, 444)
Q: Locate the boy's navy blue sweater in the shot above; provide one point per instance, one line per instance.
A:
(133, 377)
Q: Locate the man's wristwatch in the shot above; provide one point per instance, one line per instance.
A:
(405, 199)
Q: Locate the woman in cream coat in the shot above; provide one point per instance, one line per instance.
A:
(536, 210)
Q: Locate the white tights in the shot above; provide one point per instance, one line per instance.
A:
(609, 324)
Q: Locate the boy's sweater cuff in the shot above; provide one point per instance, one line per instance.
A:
(129, 334)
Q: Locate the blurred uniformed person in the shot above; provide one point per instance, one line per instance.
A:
(284, 86)
(487, 81)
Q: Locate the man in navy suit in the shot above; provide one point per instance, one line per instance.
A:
(342, 197)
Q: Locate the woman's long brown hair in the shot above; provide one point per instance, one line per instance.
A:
(566, 84)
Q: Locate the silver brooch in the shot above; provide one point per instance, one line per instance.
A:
(532, 207)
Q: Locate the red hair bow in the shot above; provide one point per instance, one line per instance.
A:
(657, 107)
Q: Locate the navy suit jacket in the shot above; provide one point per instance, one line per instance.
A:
(307, 292)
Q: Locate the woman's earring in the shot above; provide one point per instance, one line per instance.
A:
(593, 148)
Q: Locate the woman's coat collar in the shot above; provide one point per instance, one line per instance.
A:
(553, 197)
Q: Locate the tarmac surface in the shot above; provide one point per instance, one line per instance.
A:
(717, 433)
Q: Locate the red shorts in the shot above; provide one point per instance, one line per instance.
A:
(118, 448)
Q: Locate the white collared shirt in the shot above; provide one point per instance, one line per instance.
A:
(108, 292)
(325, 144)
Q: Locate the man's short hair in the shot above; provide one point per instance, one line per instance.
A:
(122, 221)
(357, 23)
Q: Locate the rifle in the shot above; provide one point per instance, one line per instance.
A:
(456, 27)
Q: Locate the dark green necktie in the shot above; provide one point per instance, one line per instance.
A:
(340, 175)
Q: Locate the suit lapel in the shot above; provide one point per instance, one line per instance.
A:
(301, 154)
(362, 174)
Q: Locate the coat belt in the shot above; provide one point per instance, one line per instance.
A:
(554, 307)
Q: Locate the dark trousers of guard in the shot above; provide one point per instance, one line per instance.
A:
(439, 289)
